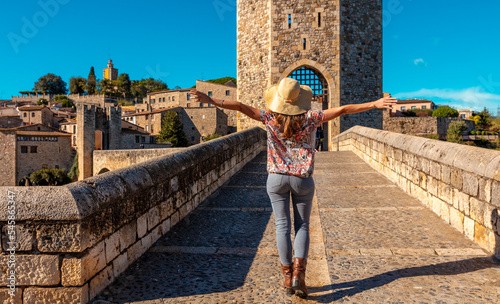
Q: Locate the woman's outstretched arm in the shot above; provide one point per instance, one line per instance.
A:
(386, 102)
(249, 111)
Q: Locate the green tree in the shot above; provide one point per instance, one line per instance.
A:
(66, 102)
(51, 84)
(445, 112)
(477, 120)
(91, 82)
(105, 87)
(138, 90)
(495, 123)
(408, 113)
(77, 85)
(74, 172)
(42, 101)
(49, 177)
(483, 119)
(172, 130)
(455, 130)
(222, 80)
(124, 85)
(212, 136)
(422, 112)
(153, 85)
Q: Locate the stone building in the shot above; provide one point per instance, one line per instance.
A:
(30, 148)
(37, 115)
(110, 72)
(181, 98)
(424, 125)
(165, 100)
(197, 122)
(69, 126)
(333, 46)
(32, 97)
(465, 113)
(43, 115)
(96, 128)
(102, 128)
(64, 112)
(9, 110)
(227, 91)
(411, 104)
(10, 121)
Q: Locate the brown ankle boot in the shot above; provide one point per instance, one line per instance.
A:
(299, 276)
(287, 272)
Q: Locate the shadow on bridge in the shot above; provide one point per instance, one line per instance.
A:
(224, 251)
(349, 289)
(211, 251)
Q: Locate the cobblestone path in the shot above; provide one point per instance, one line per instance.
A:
(370, 243)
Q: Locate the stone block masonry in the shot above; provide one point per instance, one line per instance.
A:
(109, 160)
(423, 125)
(79, 237)
(459, 183)
(340, 40)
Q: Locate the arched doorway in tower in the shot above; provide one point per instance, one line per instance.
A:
(309, 76)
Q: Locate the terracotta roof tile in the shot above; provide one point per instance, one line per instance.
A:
(31, 108)
(42, 133)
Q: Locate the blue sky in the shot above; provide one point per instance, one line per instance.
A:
(446, 51)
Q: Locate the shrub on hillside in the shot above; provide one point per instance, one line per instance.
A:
(445, 112)
(49, 177)
(455, 131)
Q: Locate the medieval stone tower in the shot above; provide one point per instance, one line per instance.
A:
(97, 125)
(334, 46)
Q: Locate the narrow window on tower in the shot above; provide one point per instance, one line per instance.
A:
(289, 20)
(319, 19)
(304, 43)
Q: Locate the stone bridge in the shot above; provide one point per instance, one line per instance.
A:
(396, 218)
(109, 160)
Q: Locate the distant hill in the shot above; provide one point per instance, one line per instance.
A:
(222, 80)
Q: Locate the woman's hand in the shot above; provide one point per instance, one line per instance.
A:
(198, 96)
(386, 102)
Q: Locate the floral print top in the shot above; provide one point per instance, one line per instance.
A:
(293, 156)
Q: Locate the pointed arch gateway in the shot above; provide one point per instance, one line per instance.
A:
(310, 73)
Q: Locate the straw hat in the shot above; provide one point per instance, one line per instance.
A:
(288, 97)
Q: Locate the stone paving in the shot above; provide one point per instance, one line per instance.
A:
(370, 243)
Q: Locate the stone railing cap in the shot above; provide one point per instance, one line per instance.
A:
(80, 199)
(481, 161)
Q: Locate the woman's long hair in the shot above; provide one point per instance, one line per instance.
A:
(289, 125)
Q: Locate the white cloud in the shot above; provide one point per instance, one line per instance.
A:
(419, 61)
(474, 97)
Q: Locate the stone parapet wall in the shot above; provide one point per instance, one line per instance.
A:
(32, 98)
(459, 183)
(129, 141)
(423, 125)
(115, 159)
(75, 239)
(8, 144)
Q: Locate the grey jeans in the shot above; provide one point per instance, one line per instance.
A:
(280, 188)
